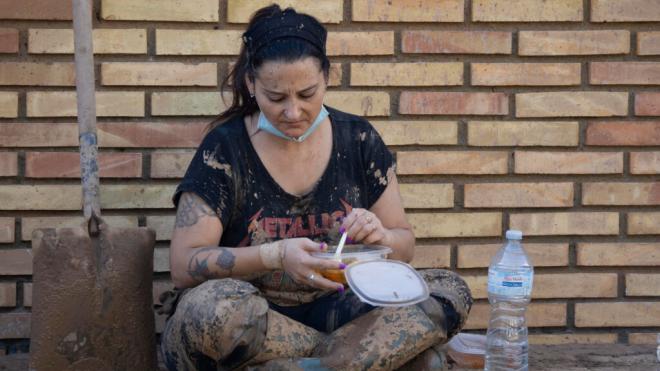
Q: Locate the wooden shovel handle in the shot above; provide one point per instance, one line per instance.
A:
(86, 100)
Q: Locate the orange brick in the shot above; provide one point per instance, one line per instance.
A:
(360, 43)
(105, 41)
(162, 224)
(618, 254)
(647, 104)
(541, 254)
(648, 338)
(27, 294)
(162, 260)
(16, 262)
(8, 104)
(623, 133)
(407, 74)
(428, 225)
(407, 11)
(513, 195)
(453, 103)
(523, 133)
(566, 223)
(67, 165)
(621, 193)
(68, 197)
(55, 10)
(335, 74)
(625, 11)
(567, 338)
(166, 10)
(170, 164)
(645, 162)
(525, 74)
(15, 325)
(452, 162)
(527, 162)
(8, 40)
(63, 104)
(198, 42)
(328, 11)
(642, 284)
(137, 196)
(364, 103)
(196, 103)
(7, 294)
(624, 73)
(643, 223)
(572, 104)
(557, 285)
(573, 42)
(8, 164)
(619, 314)
(40, 197)
(526, 10)
(575, 285)
(159, 74)
(45, 74)
(112, 134)
(417, 132)
(456, 42)
(537, 315)
(427, 195)
(648, 43)
(30, 224)
(432, 256)
(6, 230)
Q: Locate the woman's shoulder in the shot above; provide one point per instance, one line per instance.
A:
(230, 131)
(348, 121)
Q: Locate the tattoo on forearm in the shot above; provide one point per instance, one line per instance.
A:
(190, 210)
(198, 266)
(226, 260)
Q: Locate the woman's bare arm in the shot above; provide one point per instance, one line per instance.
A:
(196, 257)
(384, 224)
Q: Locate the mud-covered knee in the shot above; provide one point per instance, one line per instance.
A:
(451, 299)
(225, 320)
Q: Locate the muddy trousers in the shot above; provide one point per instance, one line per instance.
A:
(225, 324)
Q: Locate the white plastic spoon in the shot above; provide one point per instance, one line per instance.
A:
(340, 247)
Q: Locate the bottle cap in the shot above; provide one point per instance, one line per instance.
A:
(512, 234)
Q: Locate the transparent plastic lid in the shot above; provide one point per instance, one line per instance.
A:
(387, 283)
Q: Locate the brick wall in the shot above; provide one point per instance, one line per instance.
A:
(539, 115)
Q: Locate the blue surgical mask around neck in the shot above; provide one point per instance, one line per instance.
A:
(266, 125)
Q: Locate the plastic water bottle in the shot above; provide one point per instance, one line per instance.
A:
(510, 279)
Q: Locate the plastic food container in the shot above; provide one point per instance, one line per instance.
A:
(386, 283)
(349, 255)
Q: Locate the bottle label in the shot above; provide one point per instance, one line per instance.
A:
(510, 283)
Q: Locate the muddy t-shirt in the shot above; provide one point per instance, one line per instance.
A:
(227, 173)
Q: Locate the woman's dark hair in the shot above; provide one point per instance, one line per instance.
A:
(272, 34)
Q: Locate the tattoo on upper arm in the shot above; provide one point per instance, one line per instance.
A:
(198, 266)
(190, 210)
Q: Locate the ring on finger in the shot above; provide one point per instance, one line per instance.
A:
(369, 219)
(311, 277)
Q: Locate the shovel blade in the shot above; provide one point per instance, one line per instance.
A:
(92, 299)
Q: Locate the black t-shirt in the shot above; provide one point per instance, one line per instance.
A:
(228, 175)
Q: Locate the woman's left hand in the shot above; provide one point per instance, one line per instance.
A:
(364, 226)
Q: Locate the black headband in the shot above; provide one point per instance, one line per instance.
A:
(289, 25)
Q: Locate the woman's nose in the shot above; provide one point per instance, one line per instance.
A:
(292, 111)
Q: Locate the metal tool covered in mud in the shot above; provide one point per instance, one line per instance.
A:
(92, 285)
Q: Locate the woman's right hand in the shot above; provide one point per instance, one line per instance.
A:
(298, 262)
